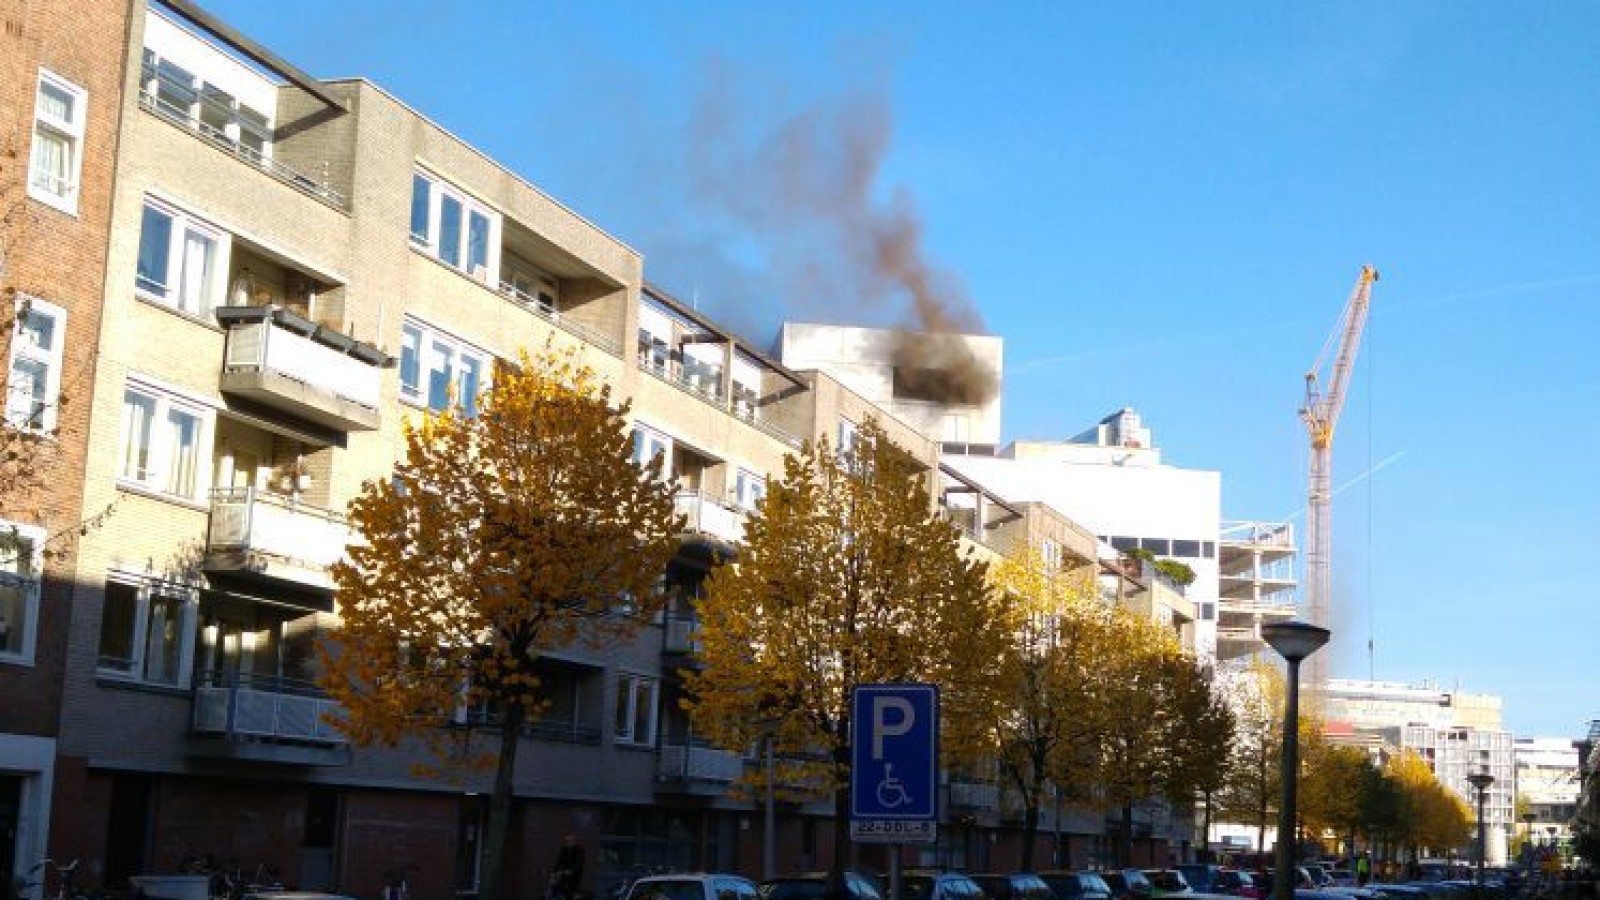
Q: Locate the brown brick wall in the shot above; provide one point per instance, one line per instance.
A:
(60, 258)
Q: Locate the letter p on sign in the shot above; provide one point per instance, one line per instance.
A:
(904, 717)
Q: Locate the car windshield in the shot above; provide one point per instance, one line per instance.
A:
(1092, 883)
(671, 889)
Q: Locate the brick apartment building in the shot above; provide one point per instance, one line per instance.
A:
(294, 268)
(60, 104)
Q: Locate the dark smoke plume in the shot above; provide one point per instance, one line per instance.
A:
(806, 193)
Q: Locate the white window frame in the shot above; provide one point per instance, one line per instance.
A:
(29, 585)
(188, 609)
(630, 712)
(418, 338)
(214, 292)
(156, 478)
(488, 271)
(71, 130)
(658, 443)
(749, 488)
(849, 434)
(232, 130)
(21, 415)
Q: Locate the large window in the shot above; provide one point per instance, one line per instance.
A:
(748, 489)
(636, 709)
(33, 377)
(454, 228)
(21, 556)
(165, 442)
(182, 261)
(55, 164)
(145, 631)
(649, 444)
(437, 369)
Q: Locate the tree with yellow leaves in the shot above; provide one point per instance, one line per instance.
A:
(846, 577)
(1431, 815)
(1145, 752)
(500, 537)
(1050, 683)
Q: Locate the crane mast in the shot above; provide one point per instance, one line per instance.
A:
(1321, 416)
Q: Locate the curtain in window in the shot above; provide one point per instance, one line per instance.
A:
(27, 397)
(55, 102)
(410, 361)
(183, 431)
(477, 241)
(163, 634)
(470, 385)
(155, 244)
(138, 422)
(198, 251)
(441, 375)
(51, 161)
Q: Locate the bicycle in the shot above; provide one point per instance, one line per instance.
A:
(65, 888)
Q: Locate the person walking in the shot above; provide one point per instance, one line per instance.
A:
(1363, 869)
(567, 874)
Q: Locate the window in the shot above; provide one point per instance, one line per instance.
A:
(21, 557)
(1158, 546)
(649, 444)
(56, 160)
(182, 261)
(1124, 544)
(1186, 549)
(176, 93)
(454, 228)
(145, 631)
(748, 489)
(164, 440)
(437, 369)
(636, 709)
(1050, 552)
(33, 381)
(847, 437)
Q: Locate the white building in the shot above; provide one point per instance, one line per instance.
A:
(1456, 752)
(1111, 480)
(1547, 777)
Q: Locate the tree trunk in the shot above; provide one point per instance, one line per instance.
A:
(1125, 837)
(490, 886)
(841, 825)
(1261, 829)
(1205, 835)
(1030, 827)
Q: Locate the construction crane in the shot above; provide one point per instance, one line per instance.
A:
(1321, 415)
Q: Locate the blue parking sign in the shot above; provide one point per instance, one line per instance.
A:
(894, 761)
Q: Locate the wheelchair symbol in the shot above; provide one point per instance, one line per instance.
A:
(891, 790)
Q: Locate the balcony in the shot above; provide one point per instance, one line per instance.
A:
(274, 538)
(711, 516)
(704, 382)
(543, 308)
(680, 636)
(269, 719)
(683, 764)
(279, 359)
(150, 100)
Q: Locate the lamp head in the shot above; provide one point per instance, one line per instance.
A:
(1480, 780)
(1294, 641)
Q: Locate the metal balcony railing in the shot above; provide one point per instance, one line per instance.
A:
(704, 383)
(554, 316)
(699, 764)
(709, 514)
(189, 120)
(265, 707)
(269, 346)
(249, 519)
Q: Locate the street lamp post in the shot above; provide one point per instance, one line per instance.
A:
(1481, 781)
(1294, 641)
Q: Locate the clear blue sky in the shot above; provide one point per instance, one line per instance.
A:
(1157, 205)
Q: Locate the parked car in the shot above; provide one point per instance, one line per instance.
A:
(814, 887)
(1077, 885)
(693, 887)
(1015, 886)
(1319, 875)
(1128, 884)
(939, 886)
(1168, 883)
(1209, 879)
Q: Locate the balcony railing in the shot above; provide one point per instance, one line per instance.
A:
(252, 523)
(974, 794)
(711, 515)
(678, 762)
(188, 120)
(547, 311)
(704, 382)
(265, 707)
(562, 731)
